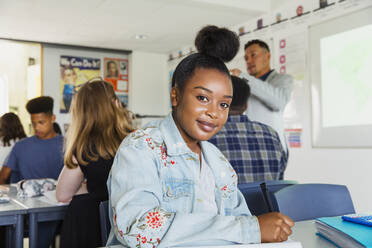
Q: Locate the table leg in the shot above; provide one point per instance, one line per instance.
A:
(9, 236)
(33, 230)
(19, 232)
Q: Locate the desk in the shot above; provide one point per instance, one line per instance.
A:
(12, 214)
(303, 231)
(39, 211)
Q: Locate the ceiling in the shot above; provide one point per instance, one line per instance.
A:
(168, 24)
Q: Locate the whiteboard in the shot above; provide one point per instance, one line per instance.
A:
(341, 81)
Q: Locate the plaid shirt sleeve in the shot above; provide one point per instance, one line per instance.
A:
(252, 148)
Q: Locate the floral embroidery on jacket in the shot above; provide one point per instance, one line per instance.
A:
(154, 219)
(160, 150)
(227, 189)
(143, 240)
(163, 150)
(150, 227)
(149, 142)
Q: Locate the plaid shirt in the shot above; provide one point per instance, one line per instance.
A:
(252, 148)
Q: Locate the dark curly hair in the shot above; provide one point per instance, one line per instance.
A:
(11, 128)
(215, 46)
(42, 104)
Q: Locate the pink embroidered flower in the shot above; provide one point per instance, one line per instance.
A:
(158, 240)
(163, 152)
(149, 142)
(224, 188)
(154, 219)
(121, 233)
(143, 240)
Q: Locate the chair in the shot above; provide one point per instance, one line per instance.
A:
(254, 197)
(310, 201)
(105, 221)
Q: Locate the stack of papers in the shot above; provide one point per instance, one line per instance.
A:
(344, 233)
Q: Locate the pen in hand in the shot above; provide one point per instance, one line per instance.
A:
(266, 196)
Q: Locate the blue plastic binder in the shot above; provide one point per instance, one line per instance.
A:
(340, 230)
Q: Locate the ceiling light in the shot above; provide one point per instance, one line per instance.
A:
(141, 36)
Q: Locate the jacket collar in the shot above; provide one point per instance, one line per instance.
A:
(172, 137)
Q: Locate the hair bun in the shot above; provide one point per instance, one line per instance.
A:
(217, 42)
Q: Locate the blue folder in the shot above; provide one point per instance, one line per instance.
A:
(360, 233)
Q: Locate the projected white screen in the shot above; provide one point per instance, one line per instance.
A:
(346, 66)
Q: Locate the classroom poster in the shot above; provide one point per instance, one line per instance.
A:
(116, 73)
(73, 72)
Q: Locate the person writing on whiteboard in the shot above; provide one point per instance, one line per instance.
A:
(270, 90)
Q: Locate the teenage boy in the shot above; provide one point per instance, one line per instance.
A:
(39, 156)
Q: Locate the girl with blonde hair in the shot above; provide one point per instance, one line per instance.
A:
(98, 125)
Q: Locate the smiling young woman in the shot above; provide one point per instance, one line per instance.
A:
(187, 195)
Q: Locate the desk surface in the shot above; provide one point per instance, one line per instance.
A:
(303, 231)
(11, 208)
(33, 204)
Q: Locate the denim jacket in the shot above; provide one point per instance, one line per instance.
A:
(152, 189)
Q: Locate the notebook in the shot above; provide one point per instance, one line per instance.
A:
(344, 233)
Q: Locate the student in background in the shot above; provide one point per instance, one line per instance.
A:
(253, 148)
(11, 130)
(168, 185)
(270, 90)
(39, 156)
(97, 128)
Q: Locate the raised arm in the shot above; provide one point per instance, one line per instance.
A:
(274, 95)
(139, 218)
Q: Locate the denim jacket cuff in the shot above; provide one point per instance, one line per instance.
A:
(251, 230)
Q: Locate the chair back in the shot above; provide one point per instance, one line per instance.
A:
(310, 201)
(105, 221)
(254, 197)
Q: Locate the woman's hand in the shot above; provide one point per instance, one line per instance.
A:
(275, 227)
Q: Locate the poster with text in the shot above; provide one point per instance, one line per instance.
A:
(73, 72)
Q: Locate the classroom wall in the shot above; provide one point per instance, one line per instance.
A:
(148, 81)
(149, 94)
(23, 80)
(51, 72)
(307, 164)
